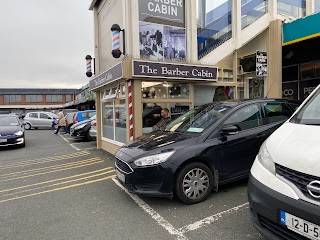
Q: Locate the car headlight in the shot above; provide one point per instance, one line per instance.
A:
(19, 133)
(154, 159)
(80, 126)
(265, 159)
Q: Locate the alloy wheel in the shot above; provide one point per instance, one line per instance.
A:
(195, 183)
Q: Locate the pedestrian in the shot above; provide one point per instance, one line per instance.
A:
(164, 120)
(61, 122)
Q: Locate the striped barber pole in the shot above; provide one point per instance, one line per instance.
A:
(130, 109)
(89, 65)
(115, 40)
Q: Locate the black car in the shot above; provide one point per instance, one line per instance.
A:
(11, 131)
(210, 145)
(80, 130)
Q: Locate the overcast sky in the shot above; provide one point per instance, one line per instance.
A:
(43, 43)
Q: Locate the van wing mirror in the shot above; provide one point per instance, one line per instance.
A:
(230, 130)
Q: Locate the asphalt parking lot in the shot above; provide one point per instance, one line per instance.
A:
(59, 188)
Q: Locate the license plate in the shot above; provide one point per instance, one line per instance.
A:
(121, 176)
(3, 140)
(300, 226)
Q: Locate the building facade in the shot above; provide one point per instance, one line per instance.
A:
(23, 99)
(178, 54)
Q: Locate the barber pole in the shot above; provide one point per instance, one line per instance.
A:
(89, 65)
(130, 109)
(115, 40)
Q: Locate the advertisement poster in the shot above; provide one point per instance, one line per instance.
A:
(162, 34)
(261, 63)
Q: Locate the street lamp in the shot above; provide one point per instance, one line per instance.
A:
(116, 52)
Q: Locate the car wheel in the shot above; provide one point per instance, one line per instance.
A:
(27, 126)
(194, 183)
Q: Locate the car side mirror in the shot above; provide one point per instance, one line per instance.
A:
(49, 118)
(230, 130)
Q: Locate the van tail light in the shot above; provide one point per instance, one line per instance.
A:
(76, 120)
(94, 124)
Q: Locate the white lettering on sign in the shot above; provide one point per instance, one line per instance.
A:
(202, 73)
(148, 69)
(175, 72)
(308, 90)
(168, 7)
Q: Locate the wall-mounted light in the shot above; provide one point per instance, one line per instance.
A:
(115, 30)
(89, 65)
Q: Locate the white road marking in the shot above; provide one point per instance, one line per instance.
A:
(78, 149)
(160, 220)
(90, 148)
(207, 221)
(64, 139)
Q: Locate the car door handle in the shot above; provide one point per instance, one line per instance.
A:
(260, 135)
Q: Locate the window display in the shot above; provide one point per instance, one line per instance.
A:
(165, 90)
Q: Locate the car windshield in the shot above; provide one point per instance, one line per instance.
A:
(8, 121)
(198, 119)
(93, 117)
(309, 114)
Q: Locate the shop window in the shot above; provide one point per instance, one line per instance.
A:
(165, 90)
(256, 87)
(290, 90)
(310, 70)
(68, 98)
(108, 120)
(178, 109)
(290, 73)
(33, 98)
(120, 121)
(53, 98)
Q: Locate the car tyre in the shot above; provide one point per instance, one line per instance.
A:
(27, 126)
(193, 183)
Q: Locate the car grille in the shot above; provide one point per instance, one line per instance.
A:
(301, 180)
(279, 230)
(123, 166)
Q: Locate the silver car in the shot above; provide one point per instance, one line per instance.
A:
(93, 130)
(39, 120)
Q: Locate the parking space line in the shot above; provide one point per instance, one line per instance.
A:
(207, 221)
(61, 183)
(50, 167)
(44, 160)
(58, 170)
(78, 149)
(59, 189)
(156, 216)
(55, 180)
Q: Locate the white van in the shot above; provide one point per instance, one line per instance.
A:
(284, 184)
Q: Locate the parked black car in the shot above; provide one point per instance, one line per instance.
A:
(11, 131)
(210, 145)
(81, 129)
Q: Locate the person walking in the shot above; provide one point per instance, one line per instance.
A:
(61, 122)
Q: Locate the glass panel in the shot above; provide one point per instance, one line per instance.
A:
(108, 120)
(214, 24)
(44, 116)
(256, 88)
(251, 10)
(293, 8)
(317, 6)
(290, 73)
(151, 115)
(177, 109)
(33, 115)
(120, 121)
(178, 90)
(12, 98)
(207, 94)
(290, 90)
(306, 87)
(310, 70)
(277, 112)
(33, 98)
(246, 118)
(68, 98)
(155, 89)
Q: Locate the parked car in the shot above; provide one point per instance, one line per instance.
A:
(93, 130)
(209, 145)
(284, 184)
(84, 115)
(80, 130)
(70, 119)
(11, 131)
(39, 120)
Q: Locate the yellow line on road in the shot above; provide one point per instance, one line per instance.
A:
(61, 183)
(55, 180)
(51, 167)
(51, 171)
(44, 160)
(59, 189)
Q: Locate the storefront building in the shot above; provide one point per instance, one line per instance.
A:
(178, 54)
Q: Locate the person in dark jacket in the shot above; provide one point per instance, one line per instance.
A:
(164, 121)
(151, 115)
